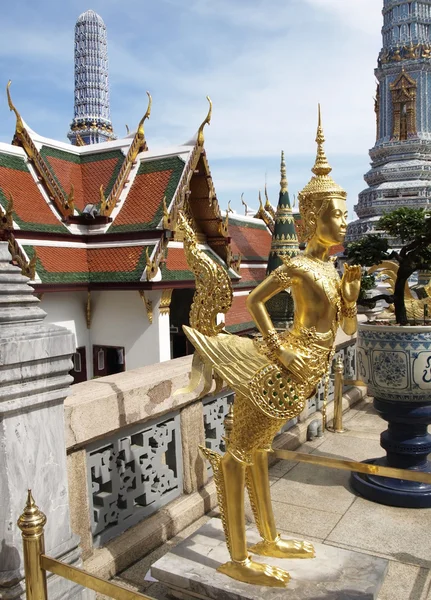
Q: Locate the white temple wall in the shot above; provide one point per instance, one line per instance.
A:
(119, 318)
(68, 309)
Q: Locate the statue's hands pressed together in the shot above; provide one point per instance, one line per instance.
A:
(294, 363)
(351, 283)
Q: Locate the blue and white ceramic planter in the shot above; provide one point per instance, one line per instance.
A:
(395, 361)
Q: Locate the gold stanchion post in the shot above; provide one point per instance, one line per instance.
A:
(228, 424)
(31, 523)
(338, 396)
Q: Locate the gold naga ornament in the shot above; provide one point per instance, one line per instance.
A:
(272, 377)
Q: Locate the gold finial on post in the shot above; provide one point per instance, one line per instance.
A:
(31, 523)
(228, 424)
(338, 396)
(207, 121)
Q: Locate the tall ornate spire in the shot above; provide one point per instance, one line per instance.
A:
(284, 245)
(284, 240)
(92, 121)
(401, 156)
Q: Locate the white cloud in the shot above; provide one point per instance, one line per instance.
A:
(265, 94)
(364, 15)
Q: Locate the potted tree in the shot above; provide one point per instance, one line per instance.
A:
(394, 355)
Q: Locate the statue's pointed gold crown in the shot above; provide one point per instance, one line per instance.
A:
(321, 183)
(319, 190)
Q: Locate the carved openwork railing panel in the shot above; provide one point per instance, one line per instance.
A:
(133, 474)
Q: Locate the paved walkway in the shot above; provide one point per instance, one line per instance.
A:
(318, 504)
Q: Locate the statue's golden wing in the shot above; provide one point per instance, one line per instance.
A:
(235, 359)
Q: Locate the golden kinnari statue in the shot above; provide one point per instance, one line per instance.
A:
(274, 377)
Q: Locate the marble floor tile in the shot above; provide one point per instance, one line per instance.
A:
(400, 533)
(304, 521)
(350, 447)
(404, 582)
(312, 486)
(281, 467)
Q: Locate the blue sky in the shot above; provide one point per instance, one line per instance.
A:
(264, 63)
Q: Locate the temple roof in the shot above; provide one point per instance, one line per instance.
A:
(104, 216)
(71, 265)
(85, 171)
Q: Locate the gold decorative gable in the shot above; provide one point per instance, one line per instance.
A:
(403, 92)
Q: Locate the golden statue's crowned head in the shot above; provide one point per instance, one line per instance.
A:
(315, 197)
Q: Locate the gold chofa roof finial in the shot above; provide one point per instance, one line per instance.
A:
(283, 180)
(19, 123)
(145, 117)
(206, 121)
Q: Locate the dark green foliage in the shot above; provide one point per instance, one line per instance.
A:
(368, 251)
(368, 282)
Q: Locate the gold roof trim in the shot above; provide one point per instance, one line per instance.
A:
(206, 121)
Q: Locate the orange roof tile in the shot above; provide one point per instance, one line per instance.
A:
(63, 260)
(29, 204)
(238, 313)
(144, 198)
(82, 265)
(250, 276)
(143, 207)
(95, 174)
(251, 242)
(86, 178)
(124, 259)
(176, 260)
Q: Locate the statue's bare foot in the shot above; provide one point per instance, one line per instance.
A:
(255, 573)
(284, 549)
